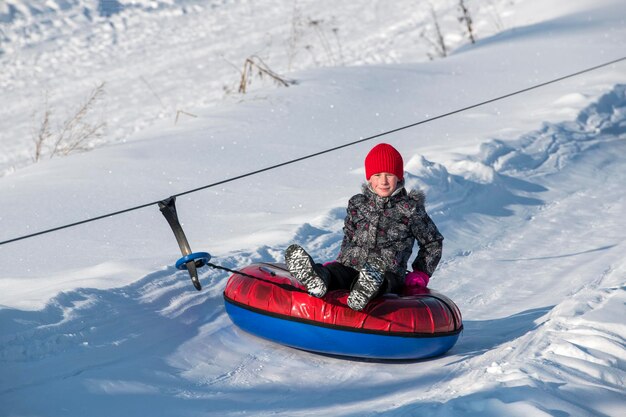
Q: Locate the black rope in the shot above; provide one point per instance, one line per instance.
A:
(278, 284)
(232, 271)
(325, 151)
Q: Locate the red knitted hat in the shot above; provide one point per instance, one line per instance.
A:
(384, 158)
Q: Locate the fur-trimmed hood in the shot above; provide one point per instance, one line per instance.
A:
(417, 195)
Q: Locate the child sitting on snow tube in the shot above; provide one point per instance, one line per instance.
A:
(380, 228)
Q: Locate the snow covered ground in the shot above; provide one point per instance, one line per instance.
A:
(528, 192)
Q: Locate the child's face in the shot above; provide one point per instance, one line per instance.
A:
(383, 184)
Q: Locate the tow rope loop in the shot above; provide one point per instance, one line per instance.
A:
(191, 261)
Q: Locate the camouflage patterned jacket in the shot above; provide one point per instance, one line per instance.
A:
(386, 228)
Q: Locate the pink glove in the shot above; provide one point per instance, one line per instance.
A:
(416, 279)
(329, 263)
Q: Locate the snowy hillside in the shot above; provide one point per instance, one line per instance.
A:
(163, 61)
(528, 192)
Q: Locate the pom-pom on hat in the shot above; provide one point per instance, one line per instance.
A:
(384, 158)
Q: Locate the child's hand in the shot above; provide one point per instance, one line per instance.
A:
(416, 279)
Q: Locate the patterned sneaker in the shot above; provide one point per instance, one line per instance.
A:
(304, 270)
(367, 285)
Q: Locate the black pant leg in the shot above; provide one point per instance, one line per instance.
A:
(342, 276)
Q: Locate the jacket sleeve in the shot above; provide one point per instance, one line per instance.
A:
(429, 240)
(349, 226)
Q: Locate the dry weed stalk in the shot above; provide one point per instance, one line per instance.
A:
(316, 25)
(295, 35)
(467, 19)
(301, 26)
(438, 43)
(254, 63)
(179, 112)
(75, 133)
(43, 134)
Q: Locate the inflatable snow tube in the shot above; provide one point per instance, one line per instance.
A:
(268, 302)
